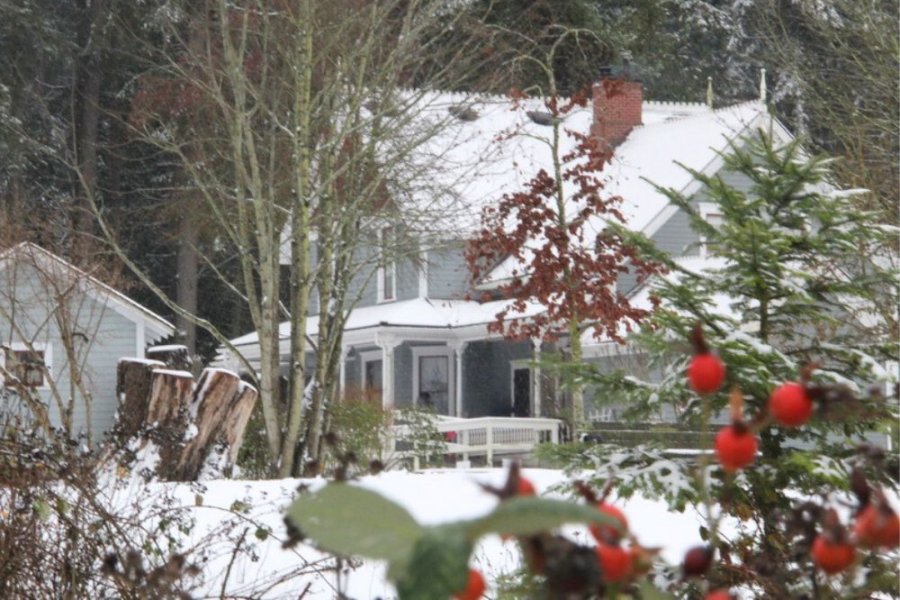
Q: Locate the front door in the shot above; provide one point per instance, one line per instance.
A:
(521, 392)
(372, 376)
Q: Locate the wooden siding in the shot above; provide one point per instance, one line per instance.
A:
(448, 275)
(676, 236)
(29, 313)
(486, 383)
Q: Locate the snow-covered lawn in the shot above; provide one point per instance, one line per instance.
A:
(432, 497)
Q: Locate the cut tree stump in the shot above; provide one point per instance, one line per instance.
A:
(187, 422)
(133, 382)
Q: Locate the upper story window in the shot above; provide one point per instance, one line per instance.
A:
(26, 365)
(712, 214)
(387, 268)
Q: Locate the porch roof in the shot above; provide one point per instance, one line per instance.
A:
(418, 318)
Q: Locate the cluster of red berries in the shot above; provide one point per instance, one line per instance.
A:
(736, 445)
(877, 525)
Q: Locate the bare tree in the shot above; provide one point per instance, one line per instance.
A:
(837, 64)
(296, 117)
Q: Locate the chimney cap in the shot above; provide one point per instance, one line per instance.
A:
(624, 71)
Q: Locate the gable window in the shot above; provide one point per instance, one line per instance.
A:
(25, 365)
(712, 214)
(387, 268)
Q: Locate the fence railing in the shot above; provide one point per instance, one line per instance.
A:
(485, 436)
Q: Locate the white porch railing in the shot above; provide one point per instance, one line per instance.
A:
(485, 436)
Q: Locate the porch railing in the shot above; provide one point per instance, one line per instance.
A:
(484, 436)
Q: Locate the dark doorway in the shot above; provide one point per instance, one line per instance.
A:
(521, 383)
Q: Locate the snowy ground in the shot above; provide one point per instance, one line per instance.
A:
(431, 497)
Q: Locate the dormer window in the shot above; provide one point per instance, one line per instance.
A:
(387, 268)
(712, 214)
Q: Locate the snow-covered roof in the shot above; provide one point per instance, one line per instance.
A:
(433, 318)
(29, 253)
(672, 134)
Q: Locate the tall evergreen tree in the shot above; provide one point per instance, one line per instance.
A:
(802, 287)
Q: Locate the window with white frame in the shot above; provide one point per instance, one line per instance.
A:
(433, 385)
(372, 367)
(712, 214)
(25, 364)
(387, 268)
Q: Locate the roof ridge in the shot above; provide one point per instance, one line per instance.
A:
(32, 249)
(745, 103)
(693, 106)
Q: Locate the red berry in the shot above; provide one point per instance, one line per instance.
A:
(719, 595)
(789, 405)
(876, 527)
(697, 561)
(831, 557)
(525, 488)
(608, 533)
(706, 373)
(735, 447)
(615, 562)
(474, 588)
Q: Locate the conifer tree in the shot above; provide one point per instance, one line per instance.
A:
(800, 286)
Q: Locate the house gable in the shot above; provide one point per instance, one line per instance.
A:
(45, 303)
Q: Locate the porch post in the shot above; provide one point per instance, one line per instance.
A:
(459, 349)
(345, 351)
(536, 373)
(387, 345)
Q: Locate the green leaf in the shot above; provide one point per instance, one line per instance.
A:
(528, 516)
(350, 520)
(439, 566)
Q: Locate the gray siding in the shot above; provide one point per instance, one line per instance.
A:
(486, 384)
(448, 275)
(407, 280)
(28, 313)
(363, 283)
(676, 236)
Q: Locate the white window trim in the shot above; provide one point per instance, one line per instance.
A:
(47, 349)
(423, 275)
(367, 357)
(706, 209)
(427, 351)
(379, 275)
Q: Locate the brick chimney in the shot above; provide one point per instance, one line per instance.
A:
(617, 106)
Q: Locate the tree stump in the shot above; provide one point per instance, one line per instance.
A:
(168, 417)
(213, 398)
(236, 421)
(133, 382)
(188, 423)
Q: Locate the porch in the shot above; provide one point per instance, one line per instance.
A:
(488, 437)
